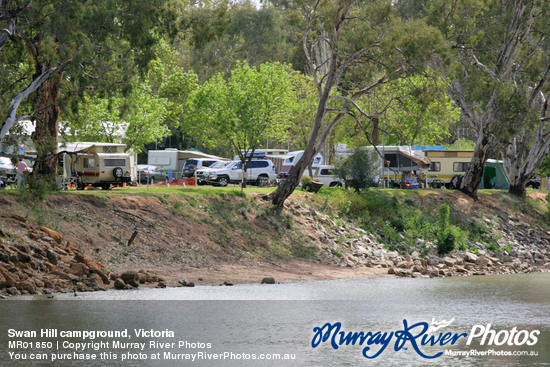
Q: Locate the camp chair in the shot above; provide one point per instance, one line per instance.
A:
(410, 185)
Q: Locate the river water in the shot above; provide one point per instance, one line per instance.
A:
(243, 322)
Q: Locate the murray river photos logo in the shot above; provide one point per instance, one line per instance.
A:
(419, 337)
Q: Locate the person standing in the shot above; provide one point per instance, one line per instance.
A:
(21, 169)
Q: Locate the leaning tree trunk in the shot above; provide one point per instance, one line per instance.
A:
(286, 188)
(47, 125)
(485, 146)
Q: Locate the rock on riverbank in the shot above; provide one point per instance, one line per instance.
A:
(43, 262)
(522, 248)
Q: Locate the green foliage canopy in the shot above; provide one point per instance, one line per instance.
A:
(252, 105)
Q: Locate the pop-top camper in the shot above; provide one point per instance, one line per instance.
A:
(96, 164)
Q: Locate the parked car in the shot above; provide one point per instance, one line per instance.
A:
(259, 172)
(534, 183)
(7, 171)
(193, 164)
(150, 174)
(325, 175)
(6, 166)
(203, 172)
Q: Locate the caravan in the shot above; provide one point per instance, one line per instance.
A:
(96, 164)
(292, 158)
(446, 164)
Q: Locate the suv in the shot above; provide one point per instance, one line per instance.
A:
(193, 164)
(325, 175)
(258, 172)
(203, 173)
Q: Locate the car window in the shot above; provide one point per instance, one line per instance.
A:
(218, 164)
(190, 163)
(326, 171)
(207, 163)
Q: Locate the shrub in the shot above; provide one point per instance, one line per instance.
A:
(306, 183)
(358, 169)
(446, 242)
(38, 186)
(445, 235)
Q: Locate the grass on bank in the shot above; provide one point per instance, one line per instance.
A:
(405, 220)
(421, 220)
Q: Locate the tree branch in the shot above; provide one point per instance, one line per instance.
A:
(7, 32)
(14, 105)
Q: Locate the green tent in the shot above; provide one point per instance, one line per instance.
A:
(493, 176)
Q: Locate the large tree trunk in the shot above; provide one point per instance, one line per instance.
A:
(287, 187)
(47, 124)
(523, 159)
(517, 190)
(485, 146)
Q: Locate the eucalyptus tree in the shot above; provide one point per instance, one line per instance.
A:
(252, 105)
(355, 47)
(222, 33)
(409, 110)
(55, 50)
(501, 82)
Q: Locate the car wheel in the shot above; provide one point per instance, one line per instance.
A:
(262, 180)
(223, 181)
(117, 172)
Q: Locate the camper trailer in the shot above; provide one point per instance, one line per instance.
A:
(96, 165)
(292, 158)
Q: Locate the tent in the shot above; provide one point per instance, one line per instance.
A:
(494, 176)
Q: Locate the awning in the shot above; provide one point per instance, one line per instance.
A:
(186, 154)
(419, 159)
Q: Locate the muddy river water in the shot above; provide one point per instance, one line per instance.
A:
(460, 321)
